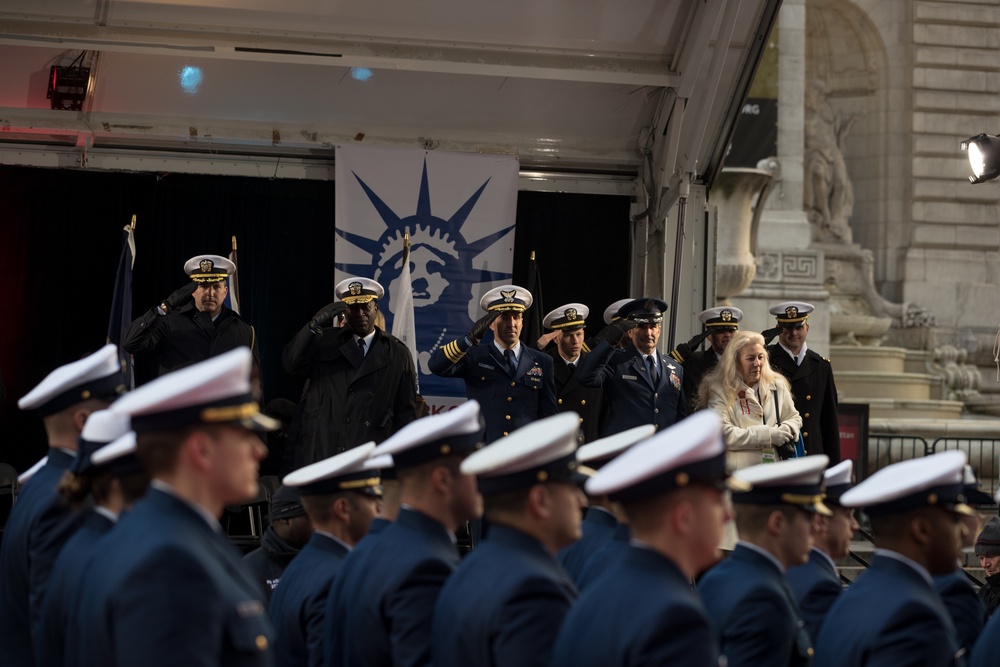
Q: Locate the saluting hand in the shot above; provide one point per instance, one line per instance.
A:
(179, 296)
(481, 325)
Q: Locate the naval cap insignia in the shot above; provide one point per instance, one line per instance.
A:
(508, 296)
(355, 288)
(791, 311)
(727, 315)
(206, 265)
(570, 313)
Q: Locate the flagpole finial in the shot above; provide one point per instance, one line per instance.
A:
(532, 255)
(406, 240)
(234, 242)
(132, 224)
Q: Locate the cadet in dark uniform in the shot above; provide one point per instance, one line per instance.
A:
(641, 386)
(289, 531)
(816, 584)
(720, 325)
(567, 351)
(111, 478)
(504, 604)
(341, 495)
(362, 385)
(811, 378)
(891, 615)
(192, 324)
(643, 612)
(514, 384)
(747, 595)
(379, 610)
(601, 519)
(960, 599)
(166, 586)
(39, 524)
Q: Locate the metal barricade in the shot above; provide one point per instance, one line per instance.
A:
(982, 454)
(886, 448)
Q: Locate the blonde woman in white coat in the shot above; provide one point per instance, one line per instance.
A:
(742, 389)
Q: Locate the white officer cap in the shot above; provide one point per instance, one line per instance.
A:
(209, 268)
(837, 481)
(358, 290)
(454, 433)
(23, 478)
(929, 481)
(384, 464)
(723, 317)
(973, 496)
(567, 318)
(506, 297)
(543, 451)
(792, 313)
(102, 427)
(214, 391)
(597, 453)
(688, 453)
(343, 472)
(797, 482)
(118, 456)
(611, 312)
(98, 375)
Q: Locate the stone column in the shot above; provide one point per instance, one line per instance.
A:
(787, 268)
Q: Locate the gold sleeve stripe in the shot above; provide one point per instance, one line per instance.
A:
(453, 352)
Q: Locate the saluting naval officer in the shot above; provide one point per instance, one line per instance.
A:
(193, 324)
(39, 524)
(104, 481)
(341, 496)
(811, 377)
(891, 615)
(514, 384)
(816, 584)
(720, 325)
(165, 586)
(747, 595)
(362, 385)
(602, 516)
(568, 323)
(641, 385)
(379, 610)
(644, 612)
(504, 604)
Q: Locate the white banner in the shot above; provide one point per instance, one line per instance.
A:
(459, 210)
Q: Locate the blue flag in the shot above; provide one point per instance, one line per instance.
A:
(121, 302)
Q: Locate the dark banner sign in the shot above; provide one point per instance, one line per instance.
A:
(756, 135)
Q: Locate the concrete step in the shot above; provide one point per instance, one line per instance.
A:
(906, 410)
(848, 358)
(856, 386)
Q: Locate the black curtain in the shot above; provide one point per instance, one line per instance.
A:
(60, 236)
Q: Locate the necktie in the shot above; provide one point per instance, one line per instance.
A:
(572, 368)
(361, 346)
(508, 355)
(651, 363)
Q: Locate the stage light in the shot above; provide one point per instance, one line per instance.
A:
(68, 87)
(984, 157)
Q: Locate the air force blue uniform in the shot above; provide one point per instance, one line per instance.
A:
(631, 398)
(508, 400)
(816, 586)
(380, 608)
(299, 601)
(890, 616)
(642, 613)
(503, 606)
(38, 527)
(598, 527)
(964, 606)
(67, 577)
(750, 603)
(165, 588)
(606, 556)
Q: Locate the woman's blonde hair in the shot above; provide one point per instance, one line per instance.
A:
(726, 374)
